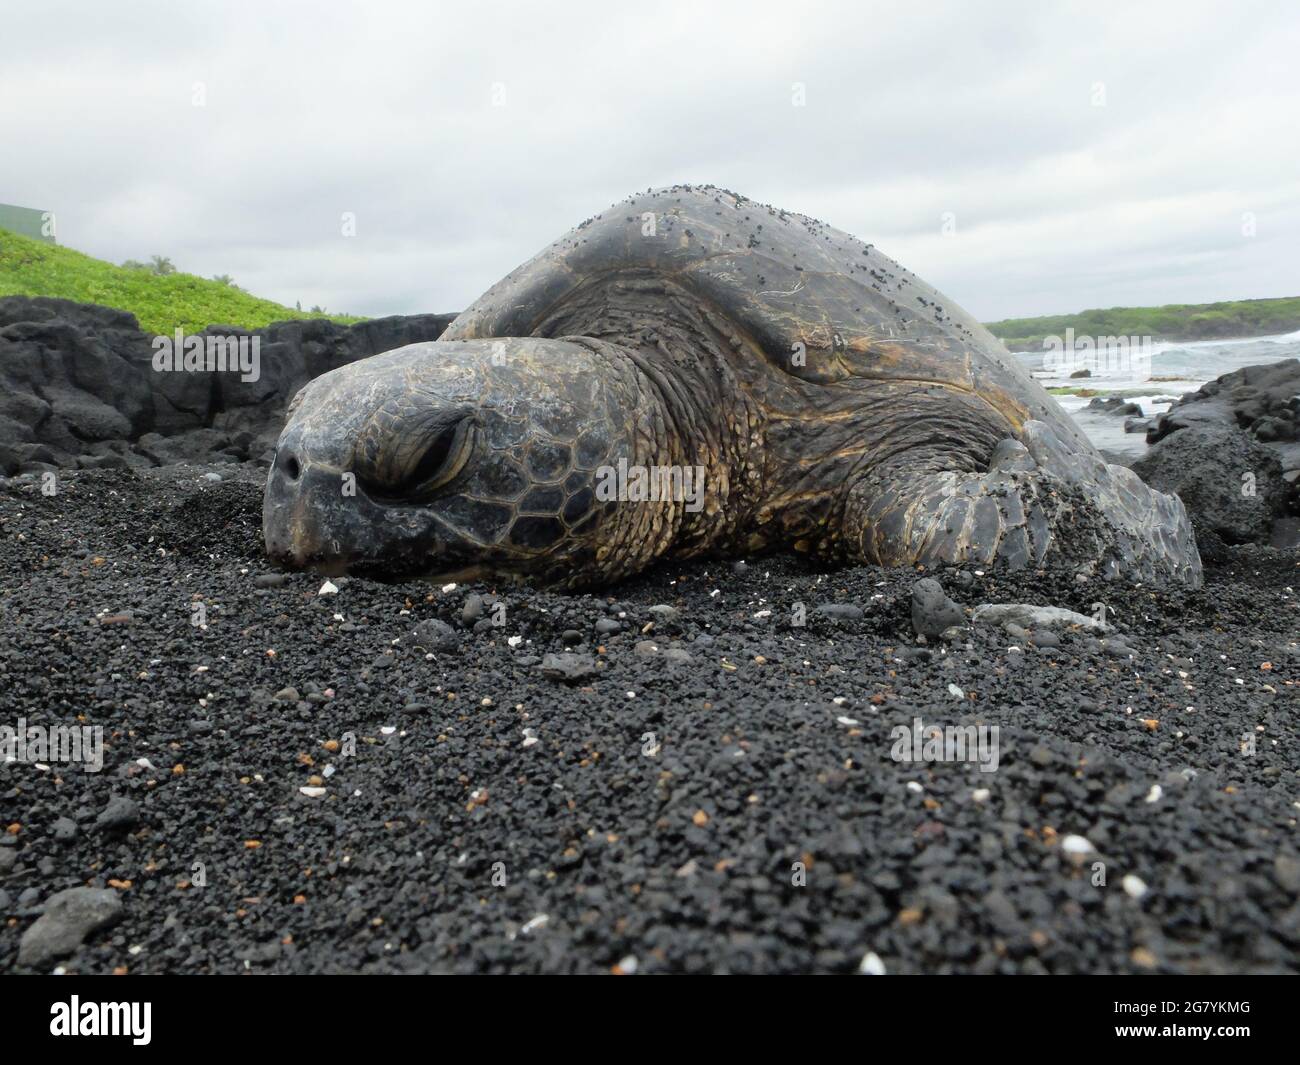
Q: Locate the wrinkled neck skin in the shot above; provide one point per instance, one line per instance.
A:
(705, 422)
(775, 475)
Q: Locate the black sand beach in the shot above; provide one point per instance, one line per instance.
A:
(714, 791)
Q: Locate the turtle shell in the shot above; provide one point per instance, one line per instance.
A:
(813, 301)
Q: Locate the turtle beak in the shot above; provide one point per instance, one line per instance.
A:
(314, 517)
(307, 520)
(296, 490)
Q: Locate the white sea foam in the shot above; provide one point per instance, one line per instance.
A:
(1176, 367)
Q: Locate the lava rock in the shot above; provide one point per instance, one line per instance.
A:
(472, 609)
(839, 611)
(1231, 484)
(1116, 405)
(120, 815)
(70, 916)
(435, 635)
(568, 667)
(64, 830)
(932, 611)
(77, 373)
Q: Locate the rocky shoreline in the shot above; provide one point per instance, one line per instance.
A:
(674, 776)
(79, 389)
(1231, 452)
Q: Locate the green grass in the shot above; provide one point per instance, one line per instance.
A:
(160, 302)
(1175, 321)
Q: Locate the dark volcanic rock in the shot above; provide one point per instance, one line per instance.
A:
(1262, 400)
(1117, 405)
(1231, 484)
(78, 386)
(568, 667)
(69, 917)
(120, 815)
(932, 610)
(67, 378)
(840, 611)
(435, 635)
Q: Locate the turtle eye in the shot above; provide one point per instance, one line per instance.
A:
(440, 463)
(442, 460)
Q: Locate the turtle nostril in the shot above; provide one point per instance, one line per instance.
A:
(291, 468)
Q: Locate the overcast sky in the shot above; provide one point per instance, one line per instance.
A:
(1086, 154)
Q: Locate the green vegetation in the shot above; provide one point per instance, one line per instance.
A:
(1175, 321)
(1128, 393)
(161, 298)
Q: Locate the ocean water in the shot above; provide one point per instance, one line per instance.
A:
(1175, 368)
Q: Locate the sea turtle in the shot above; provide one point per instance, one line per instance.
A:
(693, 372)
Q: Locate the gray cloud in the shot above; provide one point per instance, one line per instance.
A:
(912, 112)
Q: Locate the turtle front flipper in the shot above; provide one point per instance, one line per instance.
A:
(1038, 504)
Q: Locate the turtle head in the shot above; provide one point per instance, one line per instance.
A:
(462, 458)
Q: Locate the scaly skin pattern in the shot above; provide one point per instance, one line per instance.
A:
(535, 420)
(833, 402)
